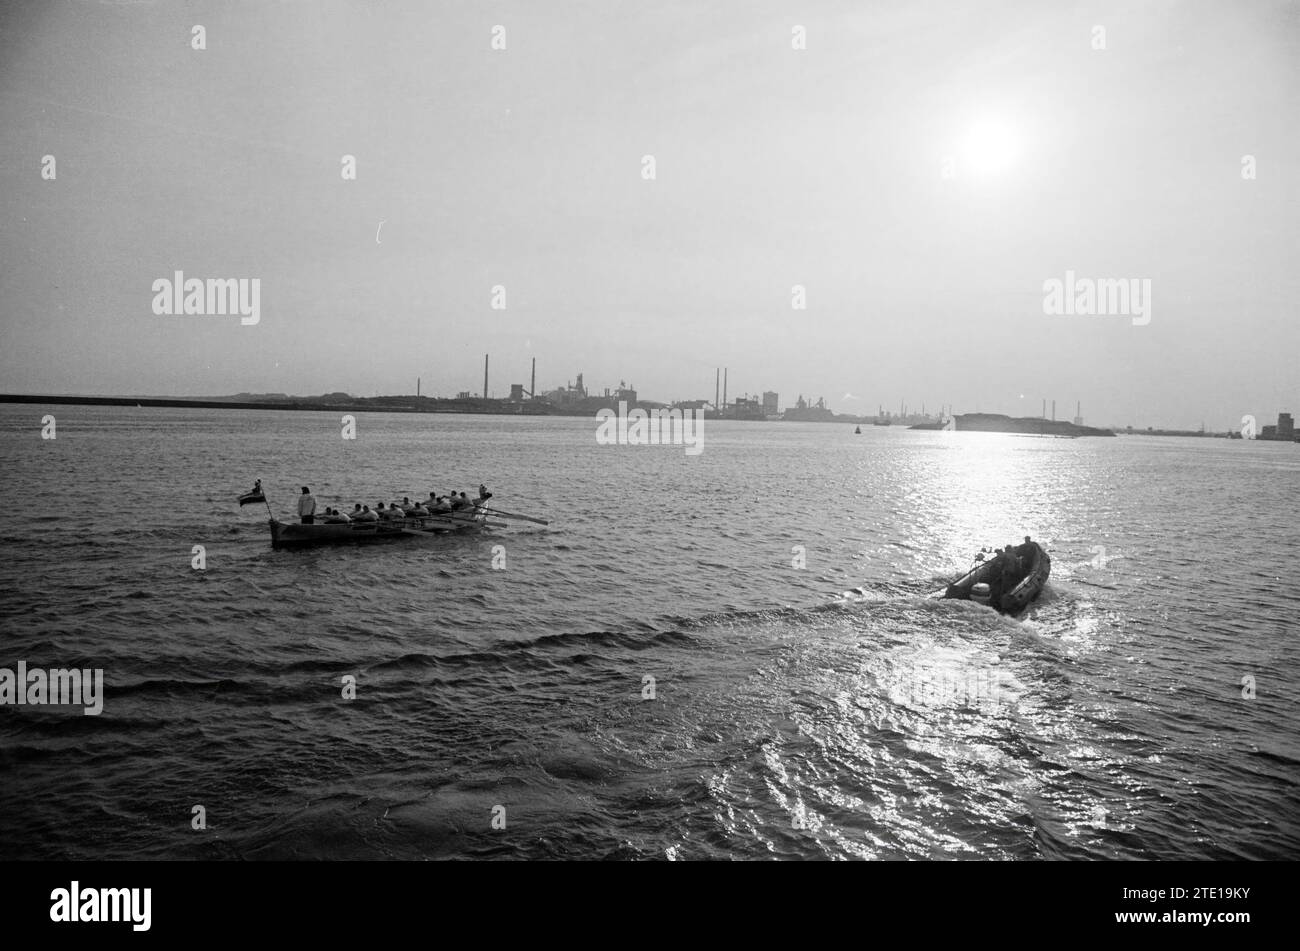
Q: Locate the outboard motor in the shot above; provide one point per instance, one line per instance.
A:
(980, 593)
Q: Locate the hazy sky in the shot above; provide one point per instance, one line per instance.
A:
(921, 169)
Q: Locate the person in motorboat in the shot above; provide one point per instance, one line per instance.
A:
(1026, 551)
(999, 576)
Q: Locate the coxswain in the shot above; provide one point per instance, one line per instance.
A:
(307, 507)
(483, 493)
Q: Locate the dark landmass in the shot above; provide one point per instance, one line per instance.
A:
(1149, 431)
(1032, 425)
(335, 402)
(345, 403)
(1203, 434)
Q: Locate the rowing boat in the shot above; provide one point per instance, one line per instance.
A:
(1006, 595)
(294, 535)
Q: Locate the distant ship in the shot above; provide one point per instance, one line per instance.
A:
(881, 418)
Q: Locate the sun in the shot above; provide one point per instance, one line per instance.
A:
(991, 146)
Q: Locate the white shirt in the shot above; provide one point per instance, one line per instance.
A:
(306, 505)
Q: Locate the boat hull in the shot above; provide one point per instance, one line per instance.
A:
(1016, 596)
(294, 535)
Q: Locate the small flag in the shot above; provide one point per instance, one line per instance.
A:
(254, 496)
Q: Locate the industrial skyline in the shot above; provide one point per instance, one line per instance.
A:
(761, 404)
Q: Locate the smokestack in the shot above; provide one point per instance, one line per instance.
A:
(1044, 409)
(717, 387)
(1053, 410)
(532, 387)
(485, 365)
(417, 387)
(724, 386)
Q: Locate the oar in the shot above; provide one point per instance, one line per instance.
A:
(944, 590)
(522, 518)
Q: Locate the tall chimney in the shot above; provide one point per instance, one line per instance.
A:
(717, 387)
(417, 387)
(485, 365)
(532, 387)
(1053, 410)
(1044, 408)
(724, 386)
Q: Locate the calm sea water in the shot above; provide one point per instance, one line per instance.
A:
(829, 710)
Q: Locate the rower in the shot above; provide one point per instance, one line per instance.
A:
(418, 510)
(407, 504)
(307, 507)
(366, 515)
